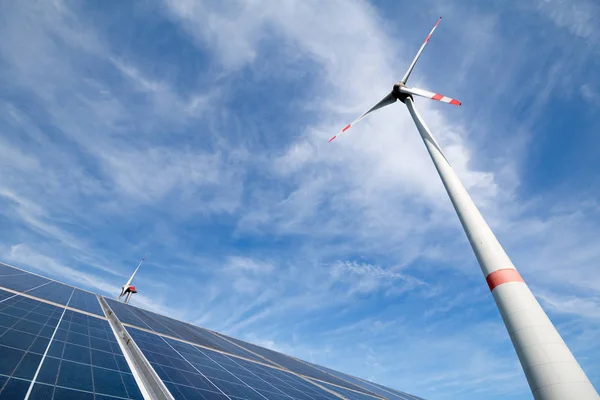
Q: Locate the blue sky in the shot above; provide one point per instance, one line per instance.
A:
(197, 132)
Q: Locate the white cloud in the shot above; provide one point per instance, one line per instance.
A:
(256, 214)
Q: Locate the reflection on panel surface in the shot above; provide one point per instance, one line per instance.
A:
(297, 366)
(168, 326)
(47, 289)
(81, 360)
(192, 372)
(371, 386)
(85, 359)
(26, 327)
(86, 301)
(77, 354)
(18, 280)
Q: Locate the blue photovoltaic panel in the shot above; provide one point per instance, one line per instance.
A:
(192, 372)
(18, 280)
(297, 366)
(46, 289)
(26, 327)
(4, 294)
(389, 393)
(349, 394)
(84, 360)
(6, 270)
(86, 301)
(54, 291)
(169, 326)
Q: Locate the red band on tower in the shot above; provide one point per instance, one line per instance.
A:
(501, 276)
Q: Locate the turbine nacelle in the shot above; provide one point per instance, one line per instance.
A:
(401, 92)
(128, 289)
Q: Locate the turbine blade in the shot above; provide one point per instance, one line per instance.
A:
(430, 95)
(386, 101)
(135, 272)
(412, 65)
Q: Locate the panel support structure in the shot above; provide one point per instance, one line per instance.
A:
(150, 384)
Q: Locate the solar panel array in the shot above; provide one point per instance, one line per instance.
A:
(56, 343)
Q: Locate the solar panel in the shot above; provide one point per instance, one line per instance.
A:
(26, 327)
(21, 282)
(168, 326)
(58, 337)
(47, 289)
(371, 386)
(54, 292)
(298, 366)
(86, 301)
(191, 371)
(84, 358)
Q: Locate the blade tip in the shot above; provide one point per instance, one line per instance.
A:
(330, 140)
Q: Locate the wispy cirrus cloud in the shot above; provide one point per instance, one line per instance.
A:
(197, 131)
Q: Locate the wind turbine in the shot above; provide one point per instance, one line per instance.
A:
(128, 289)
(551, 370)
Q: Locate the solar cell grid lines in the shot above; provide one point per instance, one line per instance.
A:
(371, 386)
(43, 288)
(56, 343)
(85, 358)
(26, 327)
(190, 371)
(86, 301)
(19, 281)
(298, 366)
(168, 326)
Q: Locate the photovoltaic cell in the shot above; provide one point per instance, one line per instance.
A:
(26, 327)
(83, 361)
(6, 270)
(86, 301)
(350, 394)
(191, 372)
(4, 295)
(19, 280)
(371, 386)
(34, 285)
(54, 291)
(172, 327)
(297, 366)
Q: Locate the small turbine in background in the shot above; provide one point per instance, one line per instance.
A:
(128, 289)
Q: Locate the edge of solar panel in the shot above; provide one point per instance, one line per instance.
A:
(392, 394)
(300, 366)
(297, 376)
(49, 350)
(86, 301)
(251, 351)
(130, 315)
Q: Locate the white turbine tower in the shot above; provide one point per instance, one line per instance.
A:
(551, 370)
(128, 289)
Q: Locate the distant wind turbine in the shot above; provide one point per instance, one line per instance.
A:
(551, 370)
(128, 289)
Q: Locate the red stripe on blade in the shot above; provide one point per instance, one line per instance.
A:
(455, 102)
(332, 139)
(437, 97)
(501, 276)
(427, 38)
(346, 128)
